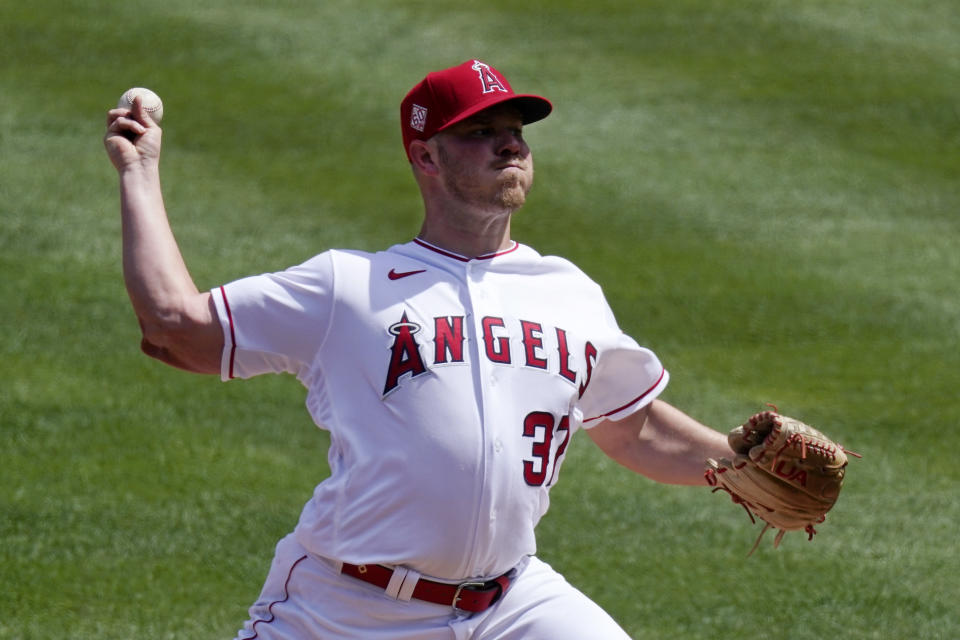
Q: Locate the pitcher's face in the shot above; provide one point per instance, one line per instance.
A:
(485, 160)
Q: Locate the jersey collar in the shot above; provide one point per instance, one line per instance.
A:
(455, 256)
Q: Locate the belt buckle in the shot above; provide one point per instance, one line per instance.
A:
(469, 586)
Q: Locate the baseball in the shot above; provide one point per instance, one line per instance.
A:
(152, 103)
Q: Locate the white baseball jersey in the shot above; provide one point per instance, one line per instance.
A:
(450, 388)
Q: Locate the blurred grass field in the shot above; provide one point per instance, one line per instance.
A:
(767, 190)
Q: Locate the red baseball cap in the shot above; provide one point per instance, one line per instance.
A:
(446, 97)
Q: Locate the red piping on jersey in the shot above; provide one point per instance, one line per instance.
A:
(286, 596)
(233, 336)
(486, 256)
(634, 401)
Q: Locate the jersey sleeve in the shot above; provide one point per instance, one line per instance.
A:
(275, 322)
(625, 378)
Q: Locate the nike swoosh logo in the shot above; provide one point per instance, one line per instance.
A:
(396, 275)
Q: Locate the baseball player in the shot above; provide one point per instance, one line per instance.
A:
(451, 372)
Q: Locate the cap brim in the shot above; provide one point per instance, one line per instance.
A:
(532, 108)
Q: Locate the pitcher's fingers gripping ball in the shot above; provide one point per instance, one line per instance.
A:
(152, 104)
(784, 472)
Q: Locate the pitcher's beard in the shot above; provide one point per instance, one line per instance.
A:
(512, 195)
(508, 194)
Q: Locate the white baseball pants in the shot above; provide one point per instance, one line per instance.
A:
(305, 598)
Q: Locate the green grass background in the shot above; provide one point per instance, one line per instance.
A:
(768, 191)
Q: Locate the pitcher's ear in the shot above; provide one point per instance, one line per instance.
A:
(423, 156)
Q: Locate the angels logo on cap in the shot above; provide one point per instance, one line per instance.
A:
(489, 80)
(446, 97)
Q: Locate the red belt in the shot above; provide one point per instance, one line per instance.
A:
(466, 596)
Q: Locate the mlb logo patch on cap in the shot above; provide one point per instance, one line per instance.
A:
(418, 117)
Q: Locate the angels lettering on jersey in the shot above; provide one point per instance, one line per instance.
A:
(519, 343)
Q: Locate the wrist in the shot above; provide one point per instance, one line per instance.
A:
(139, 174)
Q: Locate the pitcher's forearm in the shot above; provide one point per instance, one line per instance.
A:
(156, 277)
(681, 444)
(662, 443)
